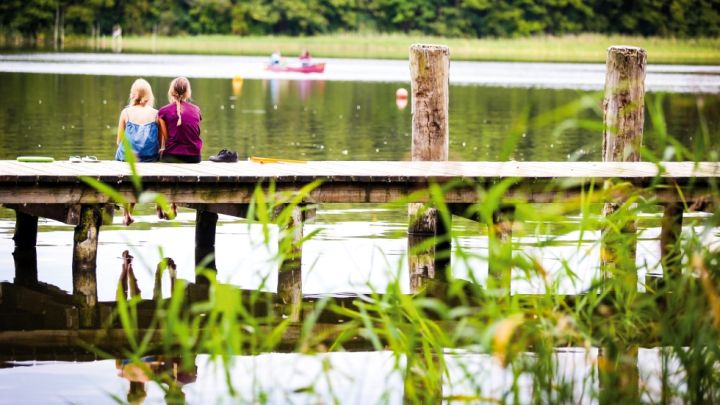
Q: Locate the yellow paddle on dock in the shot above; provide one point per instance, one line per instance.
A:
(257, 159)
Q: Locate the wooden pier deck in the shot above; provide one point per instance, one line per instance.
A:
(345, 181)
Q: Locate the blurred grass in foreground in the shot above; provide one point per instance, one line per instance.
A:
(452, 320)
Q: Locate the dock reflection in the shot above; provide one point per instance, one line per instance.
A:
(40, 322)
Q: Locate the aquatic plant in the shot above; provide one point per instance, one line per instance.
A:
(443, 338)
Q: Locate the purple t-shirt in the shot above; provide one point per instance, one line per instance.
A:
(184, 139)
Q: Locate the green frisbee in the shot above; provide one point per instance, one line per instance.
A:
(35, 159)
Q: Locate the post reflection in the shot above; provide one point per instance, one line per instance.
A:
(172, 373)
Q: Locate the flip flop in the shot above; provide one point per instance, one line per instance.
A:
(90, 159)
(75, 159)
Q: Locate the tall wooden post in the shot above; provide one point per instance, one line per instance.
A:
(26, 226)
(84, 264)
(430, 81)
(25, 254)
(289, 287)
(205, 227)
(624, 115)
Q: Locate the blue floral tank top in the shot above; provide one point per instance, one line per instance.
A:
(143, 139)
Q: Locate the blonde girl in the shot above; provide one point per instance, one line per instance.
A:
(138, 126)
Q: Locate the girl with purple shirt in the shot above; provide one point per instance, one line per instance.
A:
(179, 130)
(180, 125)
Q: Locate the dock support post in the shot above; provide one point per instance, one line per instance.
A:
(429, 74)
(25, 254)
(205, 226)
(26, 226)
(289, 287)
(624, 115)
(670, 252)
(500, 248)
(84, 264)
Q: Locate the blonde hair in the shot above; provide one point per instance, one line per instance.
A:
(141, 93)
(179, 91)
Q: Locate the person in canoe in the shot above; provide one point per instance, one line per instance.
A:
(275, 58)
(305, 59)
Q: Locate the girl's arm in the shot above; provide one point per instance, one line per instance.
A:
(163, 134)
(121, 127)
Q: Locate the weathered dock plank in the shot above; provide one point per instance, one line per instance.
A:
(347, 181)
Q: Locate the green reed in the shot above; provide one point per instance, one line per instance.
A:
(453, 318)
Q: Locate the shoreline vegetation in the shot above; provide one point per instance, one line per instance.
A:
(583, 48)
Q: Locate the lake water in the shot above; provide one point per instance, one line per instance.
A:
(70, 105)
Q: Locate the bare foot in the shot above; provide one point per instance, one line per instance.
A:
(127, 220)
(165, 215)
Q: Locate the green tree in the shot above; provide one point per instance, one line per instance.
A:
(28, 17)
(210, 16)
(254, 17)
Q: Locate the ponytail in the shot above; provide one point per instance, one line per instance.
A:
(179, 91)
(178, 109)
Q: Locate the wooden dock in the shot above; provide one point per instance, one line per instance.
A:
(347, 181)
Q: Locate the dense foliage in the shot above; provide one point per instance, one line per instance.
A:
(462, 18)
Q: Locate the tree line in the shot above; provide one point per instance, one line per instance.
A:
(452, 18)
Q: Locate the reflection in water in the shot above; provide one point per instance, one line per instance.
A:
(274, 90)
(304, 88)
(26, 272)
(575, 373)
(324, 122)
(128, 281)
(170, 371)
(337, 121)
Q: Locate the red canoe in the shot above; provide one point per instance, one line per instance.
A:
(315, 68)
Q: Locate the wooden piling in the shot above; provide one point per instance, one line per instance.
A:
(84, 263)
(430, 81)
(289, 287)
(26, 226)
(624, 104)
(429, 74)
(205, 227)
(624, 115)
(25, 253)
